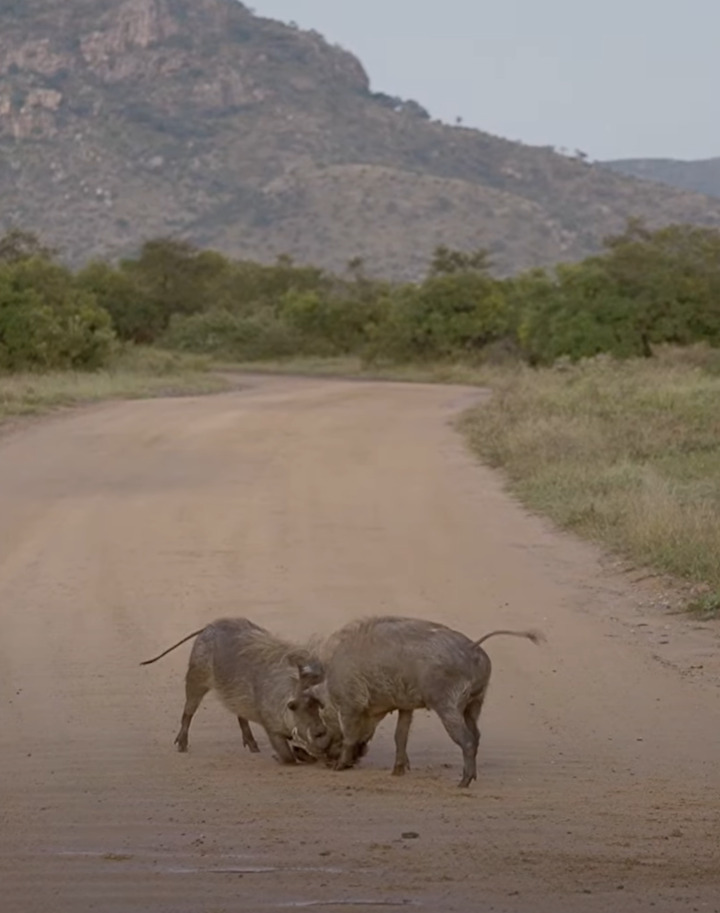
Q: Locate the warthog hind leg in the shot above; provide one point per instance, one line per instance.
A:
(196, 687)
(470, 715)
(461, 733)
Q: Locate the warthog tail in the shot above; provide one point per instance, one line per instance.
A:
(536, 637)
(174, 647)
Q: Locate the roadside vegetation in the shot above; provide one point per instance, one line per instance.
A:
(626, 453)
(646, 289)
(606, 373)
(135, 373)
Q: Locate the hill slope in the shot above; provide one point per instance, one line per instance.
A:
(125, 119)
(702, 176)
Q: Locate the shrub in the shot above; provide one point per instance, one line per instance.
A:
(220, 332)
(47, 321)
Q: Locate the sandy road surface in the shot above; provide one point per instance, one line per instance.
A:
(303, 504)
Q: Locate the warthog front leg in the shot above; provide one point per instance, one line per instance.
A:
(402, 731)
(247, 735)
(283, 749)
(357, 731)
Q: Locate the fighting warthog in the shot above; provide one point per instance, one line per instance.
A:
(377, 665)
(259, 678)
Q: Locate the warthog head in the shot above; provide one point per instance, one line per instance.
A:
(311, 704)
(310, 731)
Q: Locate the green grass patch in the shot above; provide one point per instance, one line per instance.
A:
(624, 453)
(135, 373)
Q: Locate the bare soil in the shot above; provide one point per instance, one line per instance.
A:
(302, 504)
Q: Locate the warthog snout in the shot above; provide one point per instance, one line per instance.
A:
(310, 730)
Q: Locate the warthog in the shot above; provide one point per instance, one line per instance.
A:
(377, 665)
(259, 678)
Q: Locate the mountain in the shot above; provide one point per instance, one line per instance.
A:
(702, 176)
(122, 120)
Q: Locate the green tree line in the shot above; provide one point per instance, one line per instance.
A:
(645, 288)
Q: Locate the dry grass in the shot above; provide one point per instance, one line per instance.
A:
(136, 374)
(627, 454)
(353, 367)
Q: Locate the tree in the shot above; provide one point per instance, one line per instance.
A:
(18, 245)
(171, 277)
(448, 316)
(648, 288)
(135, 316)
(673, 276)
(580, 313)
(445, 261)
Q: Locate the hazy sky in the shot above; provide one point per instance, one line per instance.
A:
(614, 78)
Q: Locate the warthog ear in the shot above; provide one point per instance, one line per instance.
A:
(310, 673)
(309, 667)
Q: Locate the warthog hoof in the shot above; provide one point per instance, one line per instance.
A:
(400, 769)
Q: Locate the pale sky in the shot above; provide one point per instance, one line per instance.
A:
(614, 78)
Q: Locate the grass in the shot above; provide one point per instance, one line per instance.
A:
(135, 374)
(626, 454)
(352, 367)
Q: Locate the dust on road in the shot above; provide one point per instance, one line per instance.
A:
(303, 504)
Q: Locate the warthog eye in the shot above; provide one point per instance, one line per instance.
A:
(292, 705)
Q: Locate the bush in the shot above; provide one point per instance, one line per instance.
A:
(135, 316)
(452, 316)
(580, 315)
(329, 324)
(47, 321)
(648, 289)
(220, 332)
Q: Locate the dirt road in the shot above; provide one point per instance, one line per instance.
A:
(303, 504)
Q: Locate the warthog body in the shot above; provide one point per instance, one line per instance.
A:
(260, 679)
(378, 665)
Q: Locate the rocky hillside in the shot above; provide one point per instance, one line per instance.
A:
(702, 176)
(126, 119)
